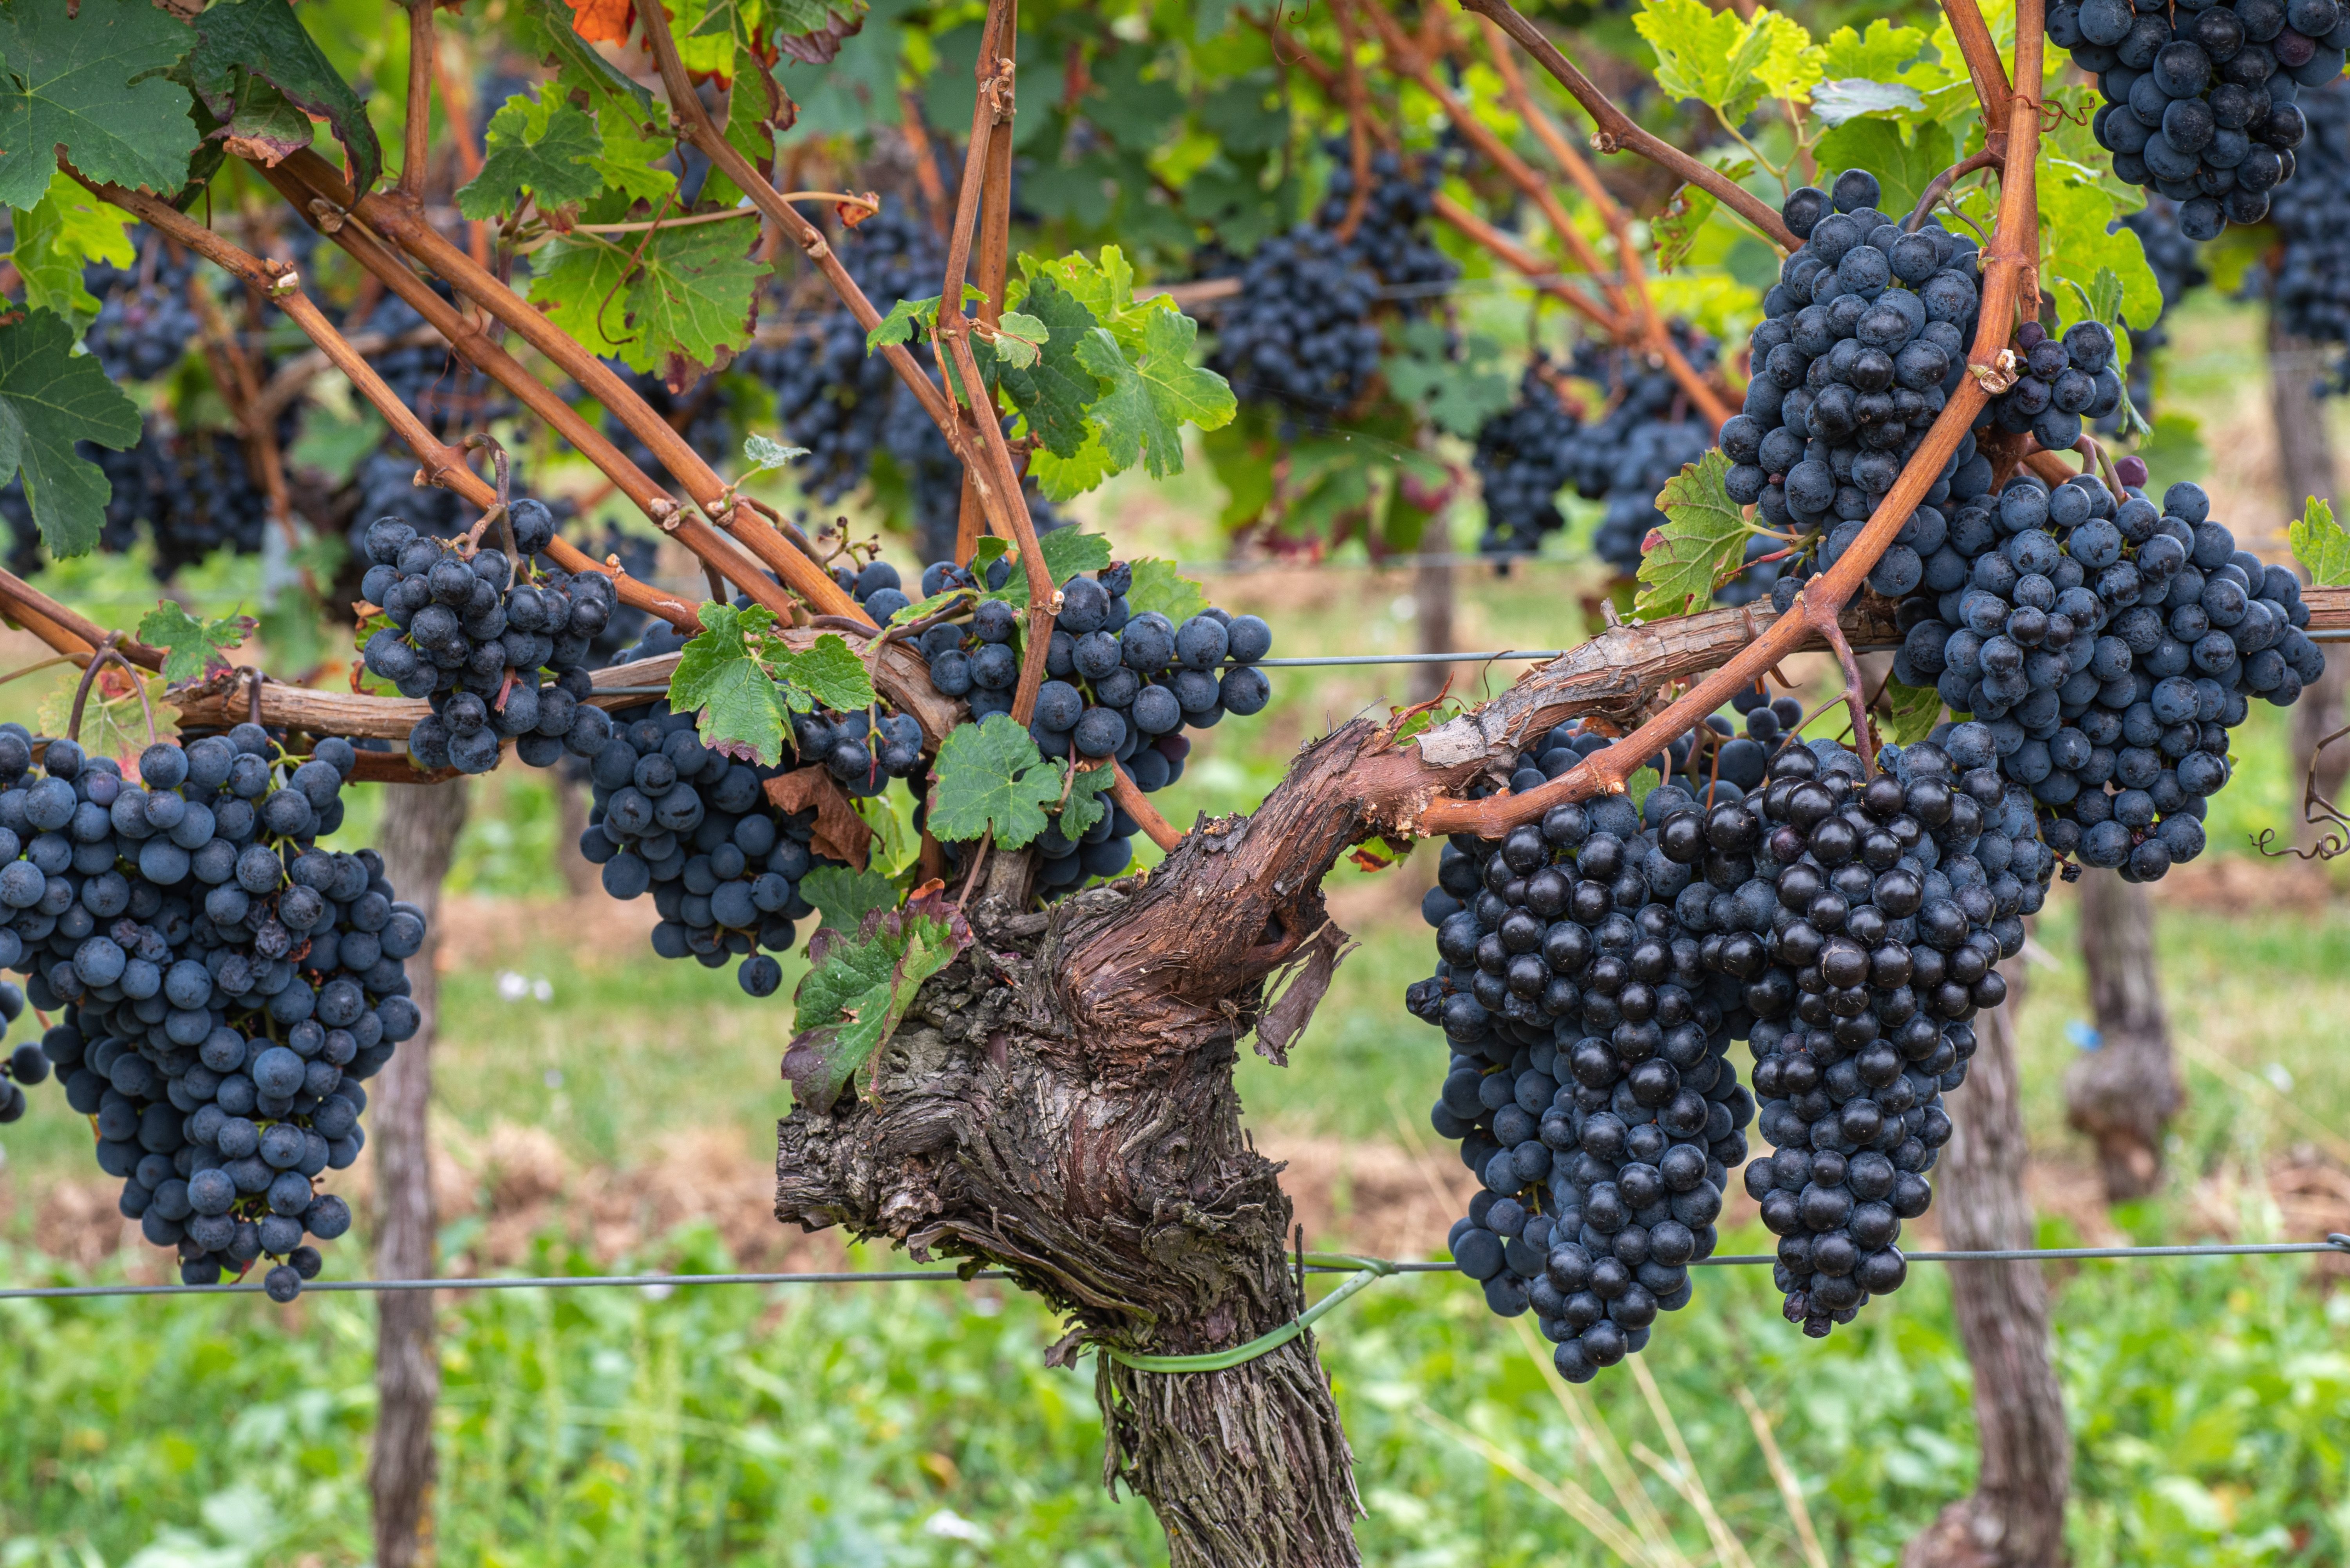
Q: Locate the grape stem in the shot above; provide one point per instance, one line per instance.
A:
(410, 233)
(2093, 454)
(443, 465)
(1616, 131)
(1940, 185)
(1611, 213)
(2009, 272)
(693, 125)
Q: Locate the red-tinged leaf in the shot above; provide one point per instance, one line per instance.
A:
(603, 21)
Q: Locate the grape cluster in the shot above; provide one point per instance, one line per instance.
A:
(225, 985)
(145, 322)
(1712, 763)
(1864, 918)
(2102, 653)
(2062, 382)
(475, 632)
(2201, 106)
(1301, 335)
(2310, 290)
(1863, 340)
(1525, 456)
(27, 1064)
(694, 829)
(1588, 1087)
(1118, 684)
(193, 490)
(1645, 436)
(2177, 263)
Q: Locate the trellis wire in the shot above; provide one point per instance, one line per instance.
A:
(2336, 1243)
(1461, 656)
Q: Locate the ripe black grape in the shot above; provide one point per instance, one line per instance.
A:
(472, 632)
(223, 985)
(2202, 107)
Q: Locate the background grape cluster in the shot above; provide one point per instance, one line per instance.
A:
(223, 984)
(1303, 336)
(1118, 684)
(2178, 264)
(2200, 107)
(476, 634)
(2309, 291)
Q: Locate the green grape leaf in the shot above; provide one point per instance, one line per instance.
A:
(921, 609)
(1054, 393)
(844, 897)
(1723, 62)
(910, 318)
(1903, 166)
(540, 146)
(1640, 782)
(1062, 478)
(55, 398)
(1142, 415)
(1849, 97)
(991, 780)
(743, 682)
(2076, 212)
(263, 41)
(1704, 536)
(765, 454)
(1157, 586)
(1914, 710)
(2320, 547)
(827, 674)
(191, 645)
(89, 82)
(630, 162)
(1019, 339)
(547, 32)
(1877, 55)
(812, 31)
(670, 302)
(1089, 799)
(1459, 390)
(857, 991)
(57, 236)
(1677, 228)
(1066, 552)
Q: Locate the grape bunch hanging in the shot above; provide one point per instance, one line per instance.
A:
(2201, 104)
(223, 985)
(475, 632)
(1118, 685)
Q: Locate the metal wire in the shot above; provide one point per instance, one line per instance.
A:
(2336, 1243)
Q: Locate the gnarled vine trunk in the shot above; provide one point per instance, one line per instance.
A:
(2016, 1516)
(418, 839)
(2122, 1093)
(1059, 1102)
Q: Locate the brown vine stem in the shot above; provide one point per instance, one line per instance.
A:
(2009, 265)
(994, 265)
(64, 629)
(1615, 130)
(416, 141)
(468, 339)
(1359, 124)
(1984, 69)
(409, 231)
(1940, 185)
(1506, 249)
(1407, 62)
(1611, 213)
(443, 465)
(694, 126)
(1137, 804)
(991, 123)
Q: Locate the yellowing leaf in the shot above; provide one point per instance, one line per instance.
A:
(1703, 539)
(2320, 544)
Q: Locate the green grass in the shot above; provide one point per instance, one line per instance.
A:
(917, 1425)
